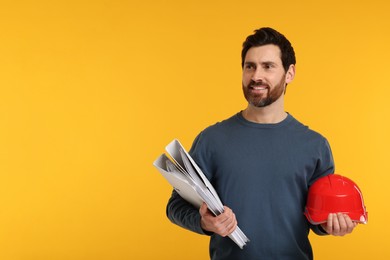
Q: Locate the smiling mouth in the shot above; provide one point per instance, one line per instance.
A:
(258, 87)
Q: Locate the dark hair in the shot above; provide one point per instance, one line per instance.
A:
(266, 35)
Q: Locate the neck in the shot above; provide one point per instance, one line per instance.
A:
(258, 116)
(271, 114)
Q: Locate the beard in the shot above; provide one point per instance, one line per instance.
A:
(263, 99)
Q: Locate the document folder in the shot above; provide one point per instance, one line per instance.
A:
(185, 176)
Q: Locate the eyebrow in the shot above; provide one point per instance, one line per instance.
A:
(262, 63)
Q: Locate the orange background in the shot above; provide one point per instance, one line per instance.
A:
(92, 91)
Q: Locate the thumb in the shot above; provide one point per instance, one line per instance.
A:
(203, 209)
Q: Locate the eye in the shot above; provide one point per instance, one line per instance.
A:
(249, 66)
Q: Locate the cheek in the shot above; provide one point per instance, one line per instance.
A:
(246, 79)
(278, 79)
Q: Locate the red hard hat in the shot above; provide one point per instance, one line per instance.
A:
(332, 194)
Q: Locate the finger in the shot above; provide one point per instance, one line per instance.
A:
(342, 223)
(227, 211)
(336, 225)
(203, 209)
(329, 224)
(229, 226)
(225, 223)
(226, 220)
(350, 224)
(233, 225)
(226, 216)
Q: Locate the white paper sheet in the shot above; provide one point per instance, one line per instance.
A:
(188, 180)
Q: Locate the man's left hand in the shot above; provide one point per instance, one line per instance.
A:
(339, 224)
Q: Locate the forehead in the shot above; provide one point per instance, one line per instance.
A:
(263, 53)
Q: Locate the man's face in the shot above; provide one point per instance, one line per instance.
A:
(264, 78)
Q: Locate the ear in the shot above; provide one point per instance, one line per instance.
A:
(290, 74)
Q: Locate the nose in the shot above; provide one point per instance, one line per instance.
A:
(258, 75)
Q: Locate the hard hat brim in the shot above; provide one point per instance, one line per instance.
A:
(317, 218)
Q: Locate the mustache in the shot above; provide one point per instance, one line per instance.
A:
(257, 84)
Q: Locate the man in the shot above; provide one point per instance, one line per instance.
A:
(261, 162)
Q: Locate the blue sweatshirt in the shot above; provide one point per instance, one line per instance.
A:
(263, 173)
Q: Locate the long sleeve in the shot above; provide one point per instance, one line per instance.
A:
(325, 166)
(183, 214)
(318, 230)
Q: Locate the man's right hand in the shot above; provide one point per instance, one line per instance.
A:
(223, 224)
